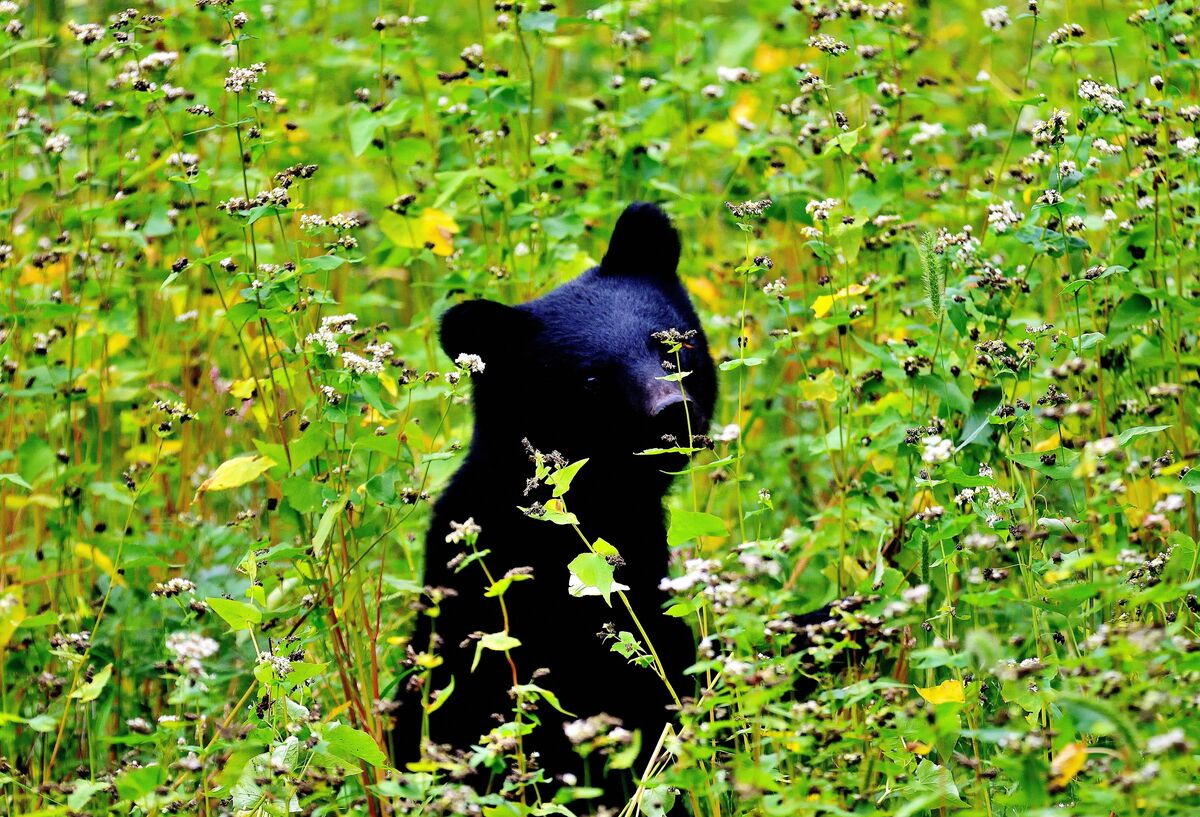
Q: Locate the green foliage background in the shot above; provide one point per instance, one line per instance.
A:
(958, 390)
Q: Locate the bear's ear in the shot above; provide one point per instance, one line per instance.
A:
(481, 327)
(644, 242)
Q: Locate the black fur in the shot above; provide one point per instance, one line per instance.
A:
(574, 371)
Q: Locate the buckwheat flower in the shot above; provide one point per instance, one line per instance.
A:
(1103, 146)
(379, 351)
(77, 98)
(996, 18)
(9, 7)
(1066, 167)
(139, 725)
(1169, 503)
(776, 289)
(1003, 216)
(823, 42)
(190, 649)
(56, 143)
(190, 315)
(713, 91)
(977, 131)
(736, 74)
(172, 588)
(472, 55)
(820, 209)
(1064, 33)
(281, 665)
(646, 83)
(310, 222)
(1172, 741)
(239, 79)
(331, 395)
(1103, 95)
(927, 131)
(617, 81)
(1052, 131)
(748, 209)
(361, 365)
(889, 90)
(471, 363)
(916, 595)
(728, 433)
(1145, 203)
(268, 96)
(1189, 113)
(1050, 196)
(459, 531)
(86, 33)
(1188, 145)
(936, 449)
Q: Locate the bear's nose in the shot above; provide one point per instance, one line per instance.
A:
(662, 401)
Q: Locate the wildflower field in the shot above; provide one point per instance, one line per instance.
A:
(945, 258)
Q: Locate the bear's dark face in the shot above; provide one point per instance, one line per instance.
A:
(579, 370)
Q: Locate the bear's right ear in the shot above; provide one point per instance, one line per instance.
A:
(483, 327)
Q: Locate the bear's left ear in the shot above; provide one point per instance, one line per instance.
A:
(644, 242)
(483, 327)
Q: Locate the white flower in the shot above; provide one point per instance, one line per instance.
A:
(1187, 145)
(461, 530)
(56, 143)
(1170, 502)
(736, 74)
(521, 250)
(471, 363)
(1051, 196)
(936, 449)
(977, 131)
(996, 18)
(1103, 146)
(1003, 216)
(820, 210)
(916, 595)
(728, 434)
(927, 131)
(239, 79)
(1105, 96)
(713, 91)
(361, 365)
(191, 649)
(776, 289)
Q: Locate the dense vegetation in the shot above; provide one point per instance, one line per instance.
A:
(944, 252)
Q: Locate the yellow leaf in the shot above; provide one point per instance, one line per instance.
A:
(12, 613)
(146, 452)
(722, 134)
(917, 747)
(1051, 443)
(824, 303)
(235, 472)
(94, 555)
(767, 58)
(944, 693)
(242, 389)
(745, 107)
(1067, 763)
(705, 290)
(433, 227)
(819, 388)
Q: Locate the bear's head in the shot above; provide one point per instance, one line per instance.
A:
(581, 368)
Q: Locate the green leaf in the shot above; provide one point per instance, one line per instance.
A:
(593, 571)
(1129, 434)
(237, 614)
(351, 744)
(543, 21)
(363, 125)
(92, 689)
(688, 525)
(17, 480)
(500, 642)
(325, 526)
(561, 479)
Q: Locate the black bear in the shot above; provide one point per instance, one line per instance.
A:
(578, 371)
